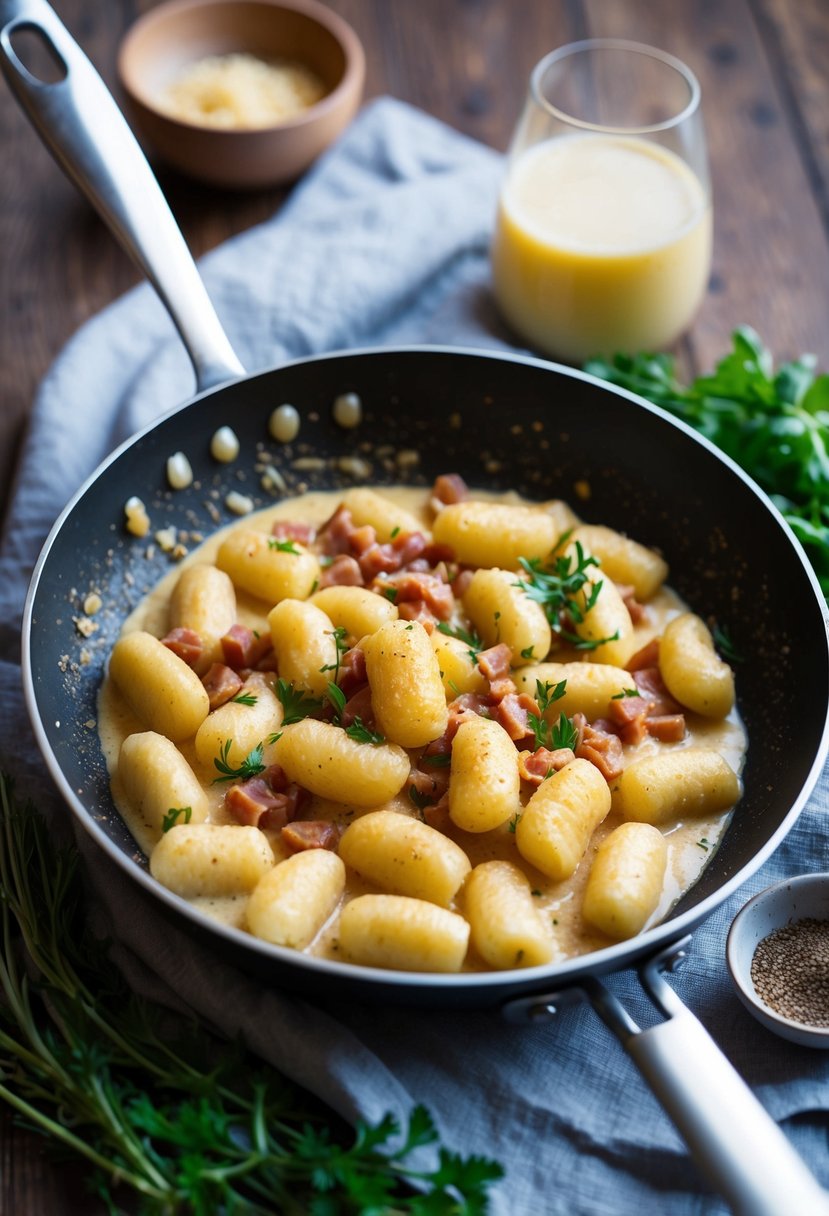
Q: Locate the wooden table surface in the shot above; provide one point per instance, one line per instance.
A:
(765, 87)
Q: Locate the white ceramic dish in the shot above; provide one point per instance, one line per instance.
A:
(791, 900)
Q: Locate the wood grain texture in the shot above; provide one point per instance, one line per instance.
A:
(762, 67)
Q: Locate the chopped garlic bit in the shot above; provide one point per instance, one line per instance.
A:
(354, 466)
(238, 503)
(272, 479)
(93, 603)
(179, 472)
(165, 538)
(224, 446)
(348, 410)
(284, 423)
(138, 521)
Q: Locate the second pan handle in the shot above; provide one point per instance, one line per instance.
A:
(78, 120)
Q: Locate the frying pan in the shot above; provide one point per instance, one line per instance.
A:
(503, 422)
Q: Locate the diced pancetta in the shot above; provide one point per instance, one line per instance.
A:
(288, 529)
(185, 643)
(450, 488)
(537, 766)
(243, 647)
(310, 834)
(222, 684)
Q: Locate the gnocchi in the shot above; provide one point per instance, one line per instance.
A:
(422, 734)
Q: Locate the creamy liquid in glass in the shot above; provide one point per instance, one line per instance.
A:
(602, 244)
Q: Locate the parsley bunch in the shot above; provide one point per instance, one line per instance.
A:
(773, 423)
(152, 1105)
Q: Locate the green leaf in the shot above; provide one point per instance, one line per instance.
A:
(251, 766)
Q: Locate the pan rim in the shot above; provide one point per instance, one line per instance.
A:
(618, 956)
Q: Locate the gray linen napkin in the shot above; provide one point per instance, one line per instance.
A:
(385, 242)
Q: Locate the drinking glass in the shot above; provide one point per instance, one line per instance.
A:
(603, 236)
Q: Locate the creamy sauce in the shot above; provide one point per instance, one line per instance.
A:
(690, 845)
(602, 244)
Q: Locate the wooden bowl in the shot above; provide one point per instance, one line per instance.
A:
(170, 38)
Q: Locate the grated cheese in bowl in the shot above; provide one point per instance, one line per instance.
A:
(242, 91)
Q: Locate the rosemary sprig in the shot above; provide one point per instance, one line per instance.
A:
(156, 1106)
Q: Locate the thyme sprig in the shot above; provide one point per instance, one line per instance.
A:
(155, 1106)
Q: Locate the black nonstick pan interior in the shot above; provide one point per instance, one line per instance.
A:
(503, 423)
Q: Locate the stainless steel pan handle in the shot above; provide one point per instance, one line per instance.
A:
(730, 1135)
(78, 120)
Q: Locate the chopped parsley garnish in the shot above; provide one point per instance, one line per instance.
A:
(359, 731)
(282, 546)
(251, 766)
(564, 590)
(245, 698)
(438, 760)
(724, 644)
(296, 702)
(340, 647)
(468, 637)
(513, 823)
(337, 698)
(174, 814)
(564, 734)
(626, 692)
(546, 695)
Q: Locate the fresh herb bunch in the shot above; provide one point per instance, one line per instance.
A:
(774, 424)
(191, 1130)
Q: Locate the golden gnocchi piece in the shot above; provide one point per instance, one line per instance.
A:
(458, 666)
(325, 760)
(484, 782)
(355, 609)
(291, 903)
(555, 829)
(204, 600)
(158, 686)
(495, 534)
(211, 860)
(303, 641)
(402, 934)
(606, 623)
(404, 856)
(400, 659)
(233, 730)
(502, 612)
(507, 928)
(157, 779)
(257, 565)
(624, 560)
(625, 881)
(693, 672)
(689, 782)
(589, 687)
(383, 514)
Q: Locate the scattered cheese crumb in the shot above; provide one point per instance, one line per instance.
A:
(309, 462)
(84, 626)
(165, 538)
(92, 604)
(138, 521)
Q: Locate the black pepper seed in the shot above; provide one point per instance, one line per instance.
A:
(790, 971)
